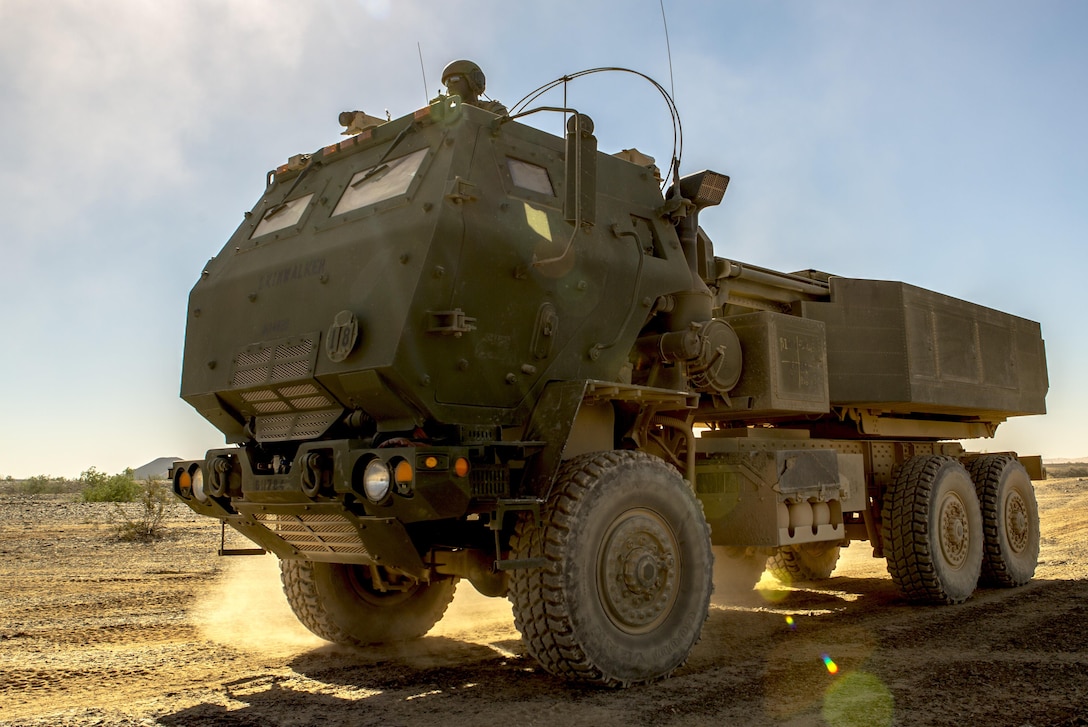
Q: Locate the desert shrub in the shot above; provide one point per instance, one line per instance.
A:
(145, 522)
(45, 484)
(101, 487)
(1067, 470)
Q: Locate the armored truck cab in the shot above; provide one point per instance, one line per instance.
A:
(454, 346)
(423, 273)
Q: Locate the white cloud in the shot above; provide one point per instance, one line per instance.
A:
(105, 96)
(376, 8)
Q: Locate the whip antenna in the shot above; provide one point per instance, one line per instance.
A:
(668, 50)
(426, 93)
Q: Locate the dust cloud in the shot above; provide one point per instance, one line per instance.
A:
(475, 617)
(245, 608)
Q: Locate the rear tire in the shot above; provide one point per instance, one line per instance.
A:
(1010, 520)
(804, 562)
(933, 530)
(626, 588)
(338, 602)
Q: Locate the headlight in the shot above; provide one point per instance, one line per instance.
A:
(197, 475)
(376, 480)
(183, 484)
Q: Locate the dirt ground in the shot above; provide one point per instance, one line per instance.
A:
(99, 632)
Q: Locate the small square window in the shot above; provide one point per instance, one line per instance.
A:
(530, 176)
(282, 215)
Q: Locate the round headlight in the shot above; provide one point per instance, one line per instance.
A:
(198, 484)
(183, 484)
(376, 480)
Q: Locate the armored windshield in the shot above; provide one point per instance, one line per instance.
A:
(385, 181)
(282, 216)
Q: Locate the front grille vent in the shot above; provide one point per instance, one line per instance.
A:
(274, 361)
(301, 425)
(489, 481)
(469, 434)
(315, 532)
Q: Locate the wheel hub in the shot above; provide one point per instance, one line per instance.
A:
(1016, 522)
(638, 571)
(954, 531)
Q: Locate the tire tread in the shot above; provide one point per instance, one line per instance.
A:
(541, 612)
(987, 472)
(906, 530)
(297, 577)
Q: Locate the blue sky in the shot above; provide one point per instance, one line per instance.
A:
(937, 143)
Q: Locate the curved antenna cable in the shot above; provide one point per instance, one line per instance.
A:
(520, 109)
(668, 50)
(427, 93)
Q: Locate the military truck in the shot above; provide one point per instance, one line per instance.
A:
(455, 346)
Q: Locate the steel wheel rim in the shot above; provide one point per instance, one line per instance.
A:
(638, 571)
(1017, 525)
(954, 530)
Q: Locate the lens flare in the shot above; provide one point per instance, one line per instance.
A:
(791, 623)
(832, 667)
(858, 693)
(772, 595)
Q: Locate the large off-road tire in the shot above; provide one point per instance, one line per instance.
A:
(804, 562)
(338, 603)
(932, 530)
(737, 570)
(1010, 520)
(628, 575)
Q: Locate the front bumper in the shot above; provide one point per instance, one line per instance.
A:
(315, 507)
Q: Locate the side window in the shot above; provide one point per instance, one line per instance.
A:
(385, 181)
(529, 176)
(286, 214)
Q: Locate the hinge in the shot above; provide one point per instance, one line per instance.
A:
(460, 191)
(450, 322)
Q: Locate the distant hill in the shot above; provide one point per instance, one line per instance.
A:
(156, 468)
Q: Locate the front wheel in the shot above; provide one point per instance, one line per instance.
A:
(340, 603)
(932, 529)
(628, 575)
